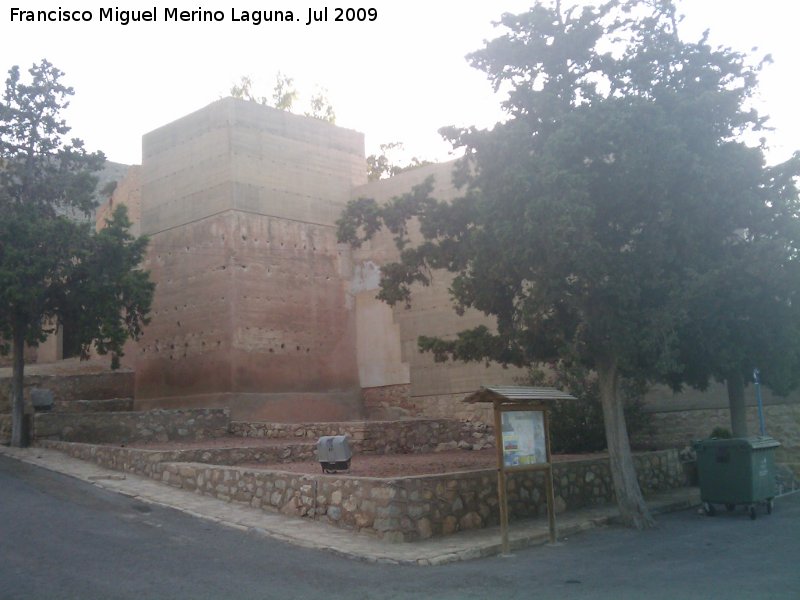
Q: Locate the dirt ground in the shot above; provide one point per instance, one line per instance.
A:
(401, 465)
(225, 442)
(361, 465)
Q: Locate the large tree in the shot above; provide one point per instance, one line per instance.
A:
(53, 265)
(593, 214)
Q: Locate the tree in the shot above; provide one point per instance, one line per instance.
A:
(386, 164)
(52, 266)
(284, 97)
(744, 315)
(244, 91)
(594, 214)
(283, 94)
(321, 107)
(576, 426)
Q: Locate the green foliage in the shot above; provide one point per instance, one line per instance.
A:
(601, 220)
(721, 433)
(386, 163)
(107, 296)
(36, 257)
(39, 169)
(244, 91)
(54, 268)
(283, 94)
(108, 189)
(321, 107)
(576, 426)
(284, 97)
(594, 217)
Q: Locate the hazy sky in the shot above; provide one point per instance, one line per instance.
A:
(399, 78)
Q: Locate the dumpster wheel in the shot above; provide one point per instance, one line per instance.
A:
(709, 509)
(752, 512)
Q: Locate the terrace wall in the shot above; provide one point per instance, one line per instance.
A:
(127, 427)
(399, 509)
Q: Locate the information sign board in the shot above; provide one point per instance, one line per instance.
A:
(524, 440)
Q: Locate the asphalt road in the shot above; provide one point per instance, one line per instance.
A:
(61, 538)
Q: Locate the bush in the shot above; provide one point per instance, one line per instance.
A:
(576, 426)
(721, 433)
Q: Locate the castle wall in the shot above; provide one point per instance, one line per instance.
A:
(129, 193)
(412, 383)
(252, 307)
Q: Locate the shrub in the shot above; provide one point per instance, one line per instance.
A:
(721, 433)
(576, 426)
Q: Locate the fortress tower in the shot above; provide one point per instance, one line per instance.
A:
(252, 307)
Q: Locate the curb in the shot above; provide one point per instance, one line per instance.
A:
(463, 546)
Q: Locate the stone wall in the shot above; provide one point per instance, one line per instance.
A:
(148, 462)
(128, 192)
(382, 437)
(387, 402)
(70, 387)
(397, 509)
(435, 389)
(5, 429)
(677, 429)
(127, 427)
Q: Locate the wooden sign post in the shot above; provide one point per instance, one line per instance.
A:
(522, 437)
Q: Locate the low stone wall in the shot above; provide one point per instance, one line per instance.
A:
(678, 429)
(70, 387)
(5, 429)
(127, 427)
(146, 462)
(84, 406)
(397, 509)
(382, 437)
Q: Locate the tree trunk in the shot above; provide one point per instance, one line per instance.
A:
(632, 507)
(736, 403)
(17, 383)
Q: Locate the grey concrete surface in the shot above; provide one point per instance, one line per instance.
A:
(61, 538)
(306, 533)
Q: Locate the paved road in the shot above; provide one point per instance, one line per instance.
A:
(60, 539)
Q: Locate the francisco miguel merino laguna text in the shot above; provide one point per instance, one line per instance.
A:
(200, 15)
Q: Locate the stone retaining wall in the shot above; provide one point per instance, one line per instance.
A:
(678, 429)
(5, 429)
(84, 406)
(382, 437)
(145, 462)
(127, 427)
(388, 401)
(398, 509)
(69, 387)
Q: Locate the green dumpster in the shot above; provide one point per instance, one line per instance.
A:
(736, 471)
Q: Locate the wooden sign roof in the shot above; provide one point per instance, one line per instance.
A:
(516, 393)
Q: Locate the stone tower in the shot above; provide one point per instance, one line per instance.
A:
(252, 307)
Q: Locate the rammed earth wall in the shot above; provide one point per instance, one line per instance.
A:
(398, 509)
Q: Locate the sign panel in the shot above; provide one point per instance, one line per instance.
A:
(523, 438)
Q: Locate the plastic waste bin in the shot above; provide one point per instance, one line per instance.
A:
(736, 471)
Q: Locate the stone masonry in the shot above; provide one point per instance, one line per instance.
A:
(398, 509)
